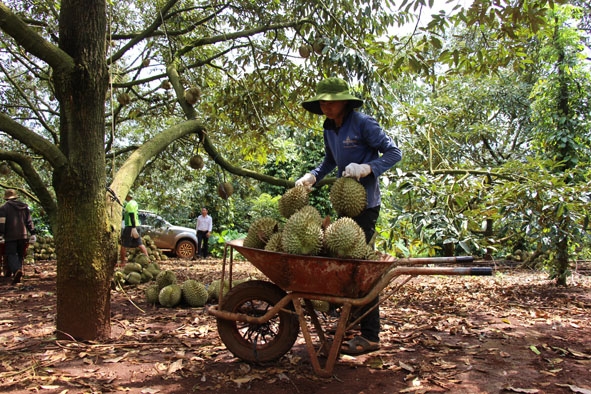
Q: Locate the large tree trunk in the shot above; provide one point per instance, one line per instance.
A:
(84, 245)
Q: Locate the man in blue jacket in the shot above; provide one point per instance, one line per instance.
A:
(357, 146)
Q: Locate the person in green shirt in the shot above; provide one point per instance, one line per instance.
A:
(130, 236)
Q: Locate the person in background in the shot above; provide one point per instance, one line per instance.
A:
(204, 227)
(130, 236)
(15, 222)
(357, 146)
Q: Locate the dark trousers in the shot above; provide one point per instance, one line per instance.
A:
(370, 324)
(202, 243)
(14, 254)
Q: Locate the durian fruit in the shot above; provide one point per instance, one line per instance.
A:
(153, 268)
(134, 278)
(142, 260)
(225, 190)
(196, 162)
(124, 98)
(152, 293)
(372, 254)
(132, 267)
(4, 169)
(259, 232)
(321, 306)
(170, 296)
(146, 276)
(318, 46)
(274, 243)
(213, 290)
(311, 212)
(305, 50)
(192, 95)
(345, 239)
(194, 293)
(165, 278)
(348, 197)
(302, 233)
(293, 200)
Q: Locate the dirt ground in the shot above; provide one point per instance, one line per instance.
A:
(510, 332)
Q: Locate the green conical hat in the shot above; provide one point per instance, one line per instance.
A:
(331, 89)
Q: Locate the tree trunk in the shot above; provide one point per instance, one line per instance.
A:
(85, 247)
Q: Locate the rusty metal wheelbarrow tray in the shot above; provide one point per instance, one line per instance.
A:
(316, 274)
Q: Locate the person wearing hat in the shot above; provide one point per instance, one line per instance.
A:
(15, 221)
(357, 147)
(130, 236)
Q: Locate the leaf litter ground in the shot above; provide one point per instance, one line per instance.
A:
(512, 332)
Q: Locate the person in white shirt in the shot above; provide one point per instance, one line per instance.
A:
(204, 227)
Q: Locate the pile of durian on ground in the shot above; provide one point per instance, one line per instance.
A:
(162, 286)
(305, 232)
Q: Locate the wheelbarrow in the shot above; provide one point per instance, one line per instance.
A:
(259, 321)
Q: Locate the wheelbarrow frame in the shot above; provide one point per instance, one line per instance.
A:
(392, 270)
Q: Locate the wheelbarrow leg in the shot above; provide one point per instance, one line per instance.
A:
(333, 349)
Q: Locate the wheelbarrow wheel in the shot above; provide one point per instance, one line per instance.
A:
(257, 342)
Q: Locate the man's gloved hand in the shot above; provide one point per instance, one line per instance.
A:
(32, 239)
(307, 181)
(357, 171)
(134, 233)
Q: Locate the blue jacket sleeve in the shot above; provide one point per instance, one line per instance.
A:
(377, 139)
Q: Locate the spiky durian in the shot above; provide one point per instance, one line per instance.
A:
(225, 190)
(194, 293)
(259, 232)
(302, 233)
(372, 254)
(147, 276)
(213, 290)
(192, 95)
(153, 268)
(132, 267)
(321, 306)
(142, 260)
(134, 278)
(170, 296)
(312, 213)
(124, 98)
(274, 243)
(348, 197)
(345, 239)
(152, 293)
(292, 201)
(196, 162)
(165, 278)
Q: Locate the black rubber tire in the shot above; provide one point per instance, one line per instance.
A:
(185, 249)
(258, 343)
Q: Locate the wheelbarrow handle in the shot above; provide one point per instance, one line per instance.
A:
(481, 271)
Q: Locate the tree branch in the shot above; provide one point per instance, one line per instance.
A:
(238, 34)
(35, 182)
(33, 42)
(32, 140)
